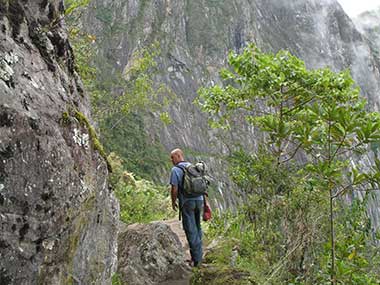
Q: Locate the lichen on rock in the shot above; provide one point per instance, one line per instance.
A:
(6, 71)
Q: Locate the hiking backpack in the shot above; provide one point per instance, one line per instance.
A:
(195, 181)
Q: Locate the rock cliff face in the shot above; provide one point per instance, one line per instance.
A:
(58, 218)
(195, 37)
(368, 23)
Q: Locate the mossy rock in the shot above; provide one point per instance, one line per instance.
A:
(221, 275)
(66, 119)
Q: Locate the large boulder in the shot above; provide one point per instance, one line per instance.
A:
(58, 218)
(150, 254)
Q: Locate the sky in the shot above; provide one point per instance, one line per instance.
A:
(355, 7)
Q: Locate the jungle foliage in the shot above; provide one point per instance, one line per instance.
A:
(141, 201)
(308, 182)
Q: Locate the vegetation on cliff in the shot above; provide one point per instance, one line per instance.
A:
(141, 201)
(120, 100)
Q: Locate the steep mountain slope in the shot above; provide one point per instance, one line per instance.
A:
(368, 23)
(58, 218)
(195, 37)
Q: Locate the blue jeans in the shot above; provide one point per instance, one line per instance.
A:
(191, 221)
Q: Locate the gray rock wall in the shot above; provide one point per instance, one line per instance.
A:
(58, 218)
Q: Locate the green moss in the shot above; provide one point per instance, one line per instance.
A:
(116, 279)
(93, 136)
(65, 119)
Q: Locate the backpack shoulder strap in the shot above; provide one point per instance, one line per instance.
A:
(183, 168)
(180, 167)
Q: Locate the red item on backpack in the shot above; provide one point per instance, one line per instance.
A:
(206, 212)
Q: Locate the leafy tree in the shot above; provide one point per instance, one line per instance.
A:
(312, 122)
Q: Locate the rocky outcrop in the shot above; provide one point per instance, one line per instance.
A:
(57, 215)
(150, 254)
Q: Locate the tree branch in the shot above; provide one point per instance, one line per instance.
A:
(294, 153)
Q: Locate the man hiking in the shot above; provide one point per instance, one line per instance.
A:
(190, 208)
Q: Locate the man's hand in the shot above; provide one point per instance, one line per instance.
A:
(174, 206)
(174, 194)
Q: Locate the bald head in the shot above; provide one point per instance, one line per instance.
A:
(176, 155)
